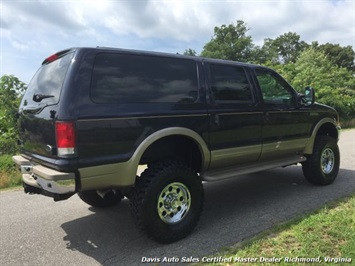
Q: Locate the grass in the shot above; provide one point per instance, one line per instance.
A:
(327, 233)
(348, 124)
(10, 180)
(9, 175)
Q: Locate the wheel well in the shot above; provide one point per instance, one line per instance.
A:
(328, 129)
(174, 147)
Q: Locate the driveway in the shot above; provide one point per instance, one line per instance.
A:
(34, 230)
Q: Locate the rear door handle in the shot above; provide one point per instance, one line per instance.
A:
(216, 119)
(267, 116)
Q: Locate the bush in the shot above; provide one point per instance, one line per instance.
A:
(9, 175)
(334, 86)
(6, 163)
(8, 146)
(11, 91)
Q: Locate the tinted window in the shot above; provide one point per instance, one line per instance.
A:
(47, 83)
(274, 89)
(229, 83)
(121, 78)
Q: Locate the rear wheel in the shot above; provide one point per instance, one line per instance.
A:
(167, 201)
(322, 167)
(101, 200)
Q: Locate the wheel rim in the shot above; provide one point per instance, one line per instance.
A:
(327, 161)
(174, 203)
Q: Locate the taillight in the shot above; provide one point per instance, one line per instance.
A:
(65, 134)
(50, 59)
(56, 56)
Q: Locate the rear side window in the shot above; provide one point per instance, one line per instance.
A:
(229, 84)
(123, 78)
(46, 85)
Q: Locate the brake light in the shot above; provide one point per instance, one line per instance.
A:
(50, 59)
(65, 134)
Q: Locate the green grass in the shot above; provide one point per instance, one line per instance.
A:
(348, 124)
(10, 180)
(9, 175)
(327, 233)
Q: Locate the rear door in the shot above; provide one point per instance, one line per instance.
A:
(235, 124)
(133, 95)
(39, 106)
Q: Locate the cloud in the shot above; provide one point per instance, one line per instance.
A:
(155, 19)
(36, 29)
(181, 20)
(4, 24)
(309, 19)
(39, 16)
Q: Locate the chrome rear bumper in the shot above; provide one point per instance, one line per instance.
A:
(43, 180)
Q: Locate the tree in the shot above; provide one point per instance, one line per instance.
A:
(230, 43)
(335, 86)
(11, 90)
(267, 54)
(284, 49)
(341, 56)
(190, 52)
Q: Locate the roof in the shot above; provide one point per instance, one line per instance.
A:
(162, 54)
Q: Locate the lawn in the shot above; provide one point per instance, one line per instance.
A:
(324, 237)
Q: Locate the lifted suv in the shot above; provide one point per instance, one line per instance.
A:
(91, 116)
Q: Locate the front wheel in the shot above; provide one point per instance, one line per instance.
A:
(322, 167)
(167, 201)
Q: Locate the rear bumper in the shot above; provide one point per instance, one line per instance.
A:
(39, 179)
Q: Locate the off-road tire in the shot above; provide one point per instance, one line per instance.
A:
(322, 167)
(167, 201)
(92, 198)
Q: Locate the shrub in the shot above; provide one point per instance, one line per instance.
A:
(9, 176)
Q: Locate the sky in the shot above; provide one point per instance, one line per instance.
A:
(33, 30)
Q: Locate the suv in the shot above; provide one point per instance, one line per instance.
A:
(91, 116)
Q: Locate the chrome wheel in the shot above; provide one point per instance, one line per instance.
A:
(167, 200)
(174, 203)
(327, 160)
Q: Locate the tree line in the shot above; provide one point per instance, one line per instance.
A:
(329, 68)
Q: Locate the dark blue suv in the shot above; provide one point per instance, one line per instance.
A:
(92, 117)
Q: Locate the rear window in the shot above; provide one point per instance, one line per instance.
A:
(229, 84)
(47, 83)
(122, 78)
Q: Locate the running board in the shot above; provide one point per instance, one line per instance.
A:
(224, 173)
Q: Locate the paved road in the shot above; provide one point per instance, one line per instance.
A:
(34, 230)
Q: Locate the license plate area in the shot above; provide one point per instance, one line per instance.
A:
(26, 169)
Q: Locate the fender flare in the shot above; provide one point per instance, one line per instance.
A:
(309, 147)
(133, 162)
(104, 176)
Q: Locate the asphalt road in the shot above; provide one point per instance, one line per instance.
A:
(34, 230)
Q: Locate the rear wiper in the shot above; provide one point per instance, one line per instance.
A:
(39, 97)
(30, 110)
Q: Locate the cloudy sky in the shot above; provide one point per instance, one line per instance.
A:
(32, 30)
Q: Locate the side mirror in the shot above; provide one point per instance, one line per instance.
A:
(309, 95)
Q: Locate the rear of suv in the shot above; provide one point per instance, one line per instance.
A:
(91, 116)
